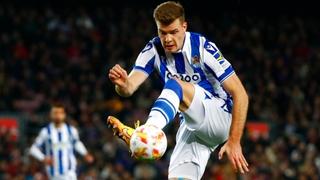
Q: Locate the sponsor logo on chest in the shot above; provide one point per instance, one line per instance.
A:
(193, 78)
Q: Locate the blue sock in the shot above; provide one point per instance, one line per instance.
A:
(166, 106)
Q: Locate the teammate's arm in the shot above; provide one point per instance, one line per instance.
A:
(80, 148)
(125, 84)
(232, 147)
(35, 149)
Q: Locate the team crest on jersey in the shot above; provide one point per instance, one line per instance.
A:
(195, 61)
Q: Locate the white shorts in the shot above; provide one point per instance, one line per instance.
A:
(70, 175)
(206, 126)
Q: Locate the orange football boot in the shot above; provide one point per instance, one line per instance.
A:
(119, 129)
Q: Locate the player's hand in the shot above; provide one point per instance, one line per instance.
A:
(88, 158)
(48, 161)
(118, 76)
(234, 153)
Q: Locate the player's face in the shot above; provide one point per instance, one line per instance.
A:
(57, 114)
(172, 35)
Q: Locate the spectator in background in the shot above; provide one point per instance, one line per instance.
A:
(286, 95)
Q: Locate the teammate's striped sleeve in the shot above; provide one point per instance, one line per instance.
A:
(78, 145)
(215, 63)
(145, 60)
(35, 148)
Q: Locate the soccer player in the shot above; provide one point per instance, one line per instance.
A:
(55, 146)
(199, 84)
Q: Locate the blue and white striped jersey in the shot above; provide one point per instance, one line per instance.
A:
(199, 62)
(59, 143)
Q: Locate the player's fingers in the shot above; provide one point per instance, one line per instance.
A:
(118, 66)
(112, 77)
(244, 167)
(117, 70)
(244, 160)
(221, 152)
(234, 164)
(114, 73)
(244, 164)
(239, 165)
(124, 72)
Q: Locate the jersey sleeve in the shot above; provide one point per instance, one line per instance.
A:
(145, 60)
(41, 137)
(78, 145)
(215, 63)
(35, 148)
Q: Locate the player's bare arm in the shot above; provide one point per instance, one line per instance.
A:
(48, 160)
(232, 147)
(125, 84)
(88, 158)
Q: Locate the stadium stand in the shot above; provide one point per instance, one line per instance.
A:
(57, 54)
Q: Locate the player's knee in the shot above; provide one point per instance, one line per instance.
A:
(175, 86)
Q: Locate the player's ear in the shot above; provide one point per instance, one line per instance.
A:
(185, 25)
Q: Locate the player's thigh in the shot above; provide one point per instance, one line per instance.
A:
(188, 91)
(187, 170)
(216, 124)
(195, 114)
(190, 155)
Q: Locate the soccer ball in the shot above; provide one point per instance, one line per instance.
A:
(148, 142)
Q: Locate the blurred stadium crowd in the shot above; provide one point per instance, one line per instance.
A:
(64, 54)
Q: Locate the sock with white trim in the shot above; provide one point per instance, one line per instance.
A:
(166, 106)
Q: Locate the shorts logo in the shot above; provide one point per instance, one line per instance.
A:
(194, 78)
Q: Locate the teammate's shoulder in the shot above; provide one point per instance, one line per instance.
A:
(71, 127)
(45, 129)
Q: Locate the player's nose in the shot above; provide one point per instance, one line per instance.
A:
(167, 38)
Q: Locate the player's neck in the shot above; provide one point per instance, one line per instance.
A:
(58, 124)
(184, 41)
(181, 48)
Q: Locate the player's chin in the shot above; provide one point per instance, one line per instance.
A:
(171, 49)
